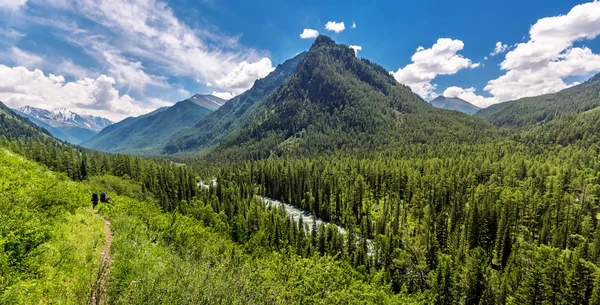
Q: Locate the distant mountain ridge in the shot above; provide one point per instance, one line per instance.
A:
(454, 103)
(62, 117)
(147, 134)
(530, 111)
(65, 124)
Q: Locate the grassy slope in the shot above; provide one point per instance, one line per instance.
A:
(49, 237)
(50, 242)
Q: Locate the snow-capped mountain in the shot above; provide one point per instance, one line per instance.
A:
(65, 124)
(62, 117)
(207, 101)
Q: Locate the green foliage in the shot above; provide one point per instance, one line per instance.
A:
(147, 134)
(49, 237)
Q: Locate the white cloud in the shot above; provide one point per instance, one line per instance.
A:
(335, 26)
(68, 67)
(440, 59)
(353, 25)
(356, 49)
(11, 33)
(183, 92)
(11, 5)
(20, 86)
(224, 95)
(475, 65)
(485, 58)
(209, 84)
(469, 95)
(500, 48)
(244, 75)
(309, 33)
(541, 64)
(26, 59)
(139, 40)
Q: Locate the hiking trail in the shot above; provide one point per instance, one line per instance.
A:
(100, 289)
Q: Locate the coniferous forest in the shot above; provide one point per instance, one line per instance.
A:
(402, 203)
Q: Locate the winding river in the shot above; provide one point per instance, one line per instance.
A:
(293, 212)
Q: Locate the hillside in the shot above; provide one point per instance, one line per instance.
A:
(64, 124)
(454, 103)
(335, 101)
(233, 113)
(530, 111)
(147, 134)
(14, 126)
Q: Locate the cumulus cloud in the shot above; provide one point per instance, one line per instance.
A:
(20, 86)
(244, 75)
(541, 64)
(335, 26)
(224, 95)
(440, 59)
(353, 25)
(309, 33)
(356, 49)
(11, 5)
(500, 48)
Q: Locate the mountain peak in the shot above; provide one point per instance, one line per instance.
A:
(454, 103)
(595, 78)
(207, 101)
(323, 40)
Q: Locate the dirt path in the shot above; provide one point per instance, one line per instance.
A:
(100, 289)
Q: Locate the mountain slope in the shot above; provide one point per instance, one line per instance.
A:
(454, 103)
(337, 102)
(14, 126)
(64, 124)
(233, 113)
(147, 134)
(545, 108)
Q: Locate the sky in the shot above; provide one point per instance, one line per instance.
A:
(120, 58)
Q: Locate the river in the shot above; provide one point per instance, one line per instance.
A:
(294, 212)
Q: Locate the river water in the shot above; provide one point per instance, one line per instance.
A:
(291, 210)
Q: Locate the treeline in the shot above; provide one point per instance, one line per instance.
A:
(167, 181)
(491, 224)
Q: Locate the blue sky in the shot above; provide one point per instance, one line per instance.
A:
(119, 58)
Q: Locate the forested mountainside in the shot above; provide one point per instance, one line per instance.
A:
(234, 113)
(530, 111)
(335, 101)
(147, 134)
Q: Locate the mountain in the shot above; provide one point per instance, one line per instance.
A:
(147, 134)
(14, 126)
(64, 124)
(335, 101)
(207, 101)
(454, 103)
(530, 111)
(233, 113)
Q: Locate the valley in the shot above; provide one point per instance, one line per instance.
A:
(326, 182)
